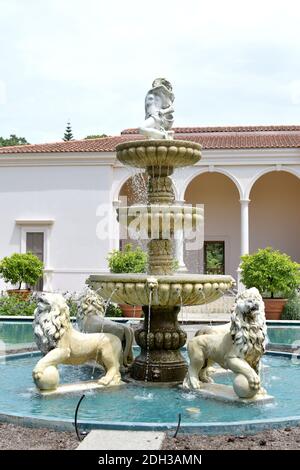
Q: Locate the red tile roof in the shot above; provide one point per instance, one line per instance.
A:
(249, 137)
(201, 130)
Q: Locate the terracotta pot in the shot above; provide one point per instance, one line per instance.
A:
(23, 294)
(131, 311)
(274, 308)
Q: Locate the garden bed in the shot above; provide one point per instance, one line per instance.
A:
(272, 439)
(14, 437)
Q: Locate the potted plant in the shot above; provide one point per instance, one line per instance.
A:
(21, 268)
(274, 274)
(128, 260)
(113, 310)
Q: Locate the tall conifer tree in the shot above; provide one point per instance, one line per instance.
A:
(68, 133)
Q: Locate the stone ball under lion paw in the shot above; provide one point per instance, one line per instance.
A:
(242, 388)
(48, 379)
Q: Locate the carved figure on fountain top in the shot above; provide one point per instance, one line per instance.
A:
(159, 111)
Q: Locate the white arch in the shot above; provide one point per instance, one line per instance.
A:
(120, 185)
(201, 171)
(266, 171)
(127, 177)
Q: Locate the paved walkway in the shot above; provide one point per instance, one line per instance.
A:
(122, 440)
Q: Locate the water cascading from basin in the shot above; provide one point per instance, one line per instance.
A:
(160, 336)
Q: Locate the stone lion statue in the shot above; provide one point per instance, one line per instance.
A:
(238, 346)
(90, 320)
(62, 344)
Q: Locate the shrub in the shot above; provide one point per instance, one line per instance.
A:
(113, 310)
(291, 310)
(273, 273)
(128, 261)
(73, 307)
(21, 268)
(14, 306)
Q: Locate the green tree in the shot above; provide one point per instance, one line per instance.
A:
(68, 133)
(12, 140)
(96, 136)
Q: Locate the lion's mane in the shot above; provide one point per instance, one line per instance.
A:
(249, 332)
(51, 320)
(89, 303)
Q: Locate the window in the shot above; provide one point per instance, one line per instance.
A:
(214, 257)
(35, 244)
(35, 237)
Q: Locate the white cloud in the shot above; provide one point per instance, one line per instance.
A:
(294, 89)
(92, 61)
(2, 92)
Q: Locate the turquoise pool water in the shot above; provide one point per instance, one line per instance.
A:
(16, 334)
(284, 335)
(152, 405)
(20, 333)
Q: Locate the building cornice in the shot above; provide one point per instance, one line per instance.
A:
(59, 159)
(241, 157)
(36, 222)
(224, 157)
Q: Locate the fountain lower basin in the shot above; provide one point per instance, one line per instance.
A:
(170, 290)
(160, 336)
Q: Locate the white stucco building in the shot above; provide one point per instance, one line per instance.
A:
(57, 199)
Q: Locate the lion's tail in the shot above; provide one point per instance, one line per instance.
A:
(204, 330)
(128, 352)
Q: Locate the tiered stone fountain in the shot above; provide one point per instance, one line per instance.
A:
(160, 291)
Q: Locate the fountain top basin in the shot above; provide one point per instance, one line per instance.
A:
(158, 153)
(167, 290)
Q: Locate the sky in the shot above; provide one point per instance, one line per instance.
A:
(92, 62)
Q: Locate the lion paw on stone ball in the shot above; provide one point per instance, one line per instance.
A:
(254, 383)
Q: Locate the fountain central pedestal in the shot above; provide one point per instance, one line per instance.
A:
(160, 359)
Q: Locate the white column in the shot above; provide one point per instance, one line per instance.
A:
(244, 226)
(179, 244)
(244, 236)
